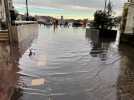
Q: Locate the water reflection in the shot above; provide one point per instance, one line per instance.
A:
(17, 94)
(8, 69)
(10, 85)
(100, 45)
(125, 83)
(64, 69)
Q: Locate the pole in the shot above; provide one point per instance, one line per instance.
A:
(27, 13)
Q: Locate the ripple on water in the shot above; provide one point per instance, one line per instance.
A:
(73, 67)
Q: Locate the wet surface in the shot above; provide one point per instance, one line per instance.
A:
(68, 64)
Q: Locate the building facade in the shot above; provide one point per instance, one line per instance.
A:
(2, 11)
(127, 26)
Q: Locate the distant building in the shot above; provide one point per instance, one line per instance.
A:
(45, 19)
(127, 25)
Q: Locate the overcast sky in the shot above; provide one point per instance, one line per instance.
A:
(67, 8)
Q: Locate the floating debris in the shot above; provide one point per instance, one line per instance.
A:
(37, 82)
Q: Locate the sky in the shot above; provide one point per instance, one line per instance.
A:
(77, 9)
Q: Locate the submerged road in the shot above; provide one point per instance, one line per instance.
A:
(69, 64)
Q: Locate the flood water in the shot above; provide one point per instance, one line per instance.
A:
(67, 64)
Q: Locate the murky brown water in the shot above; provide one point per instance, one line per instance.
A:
(68, 64)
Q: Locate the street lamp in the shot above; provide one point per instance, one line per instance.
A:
(27, 13)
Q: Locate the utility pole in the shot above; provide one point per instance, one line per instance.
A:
(27, 13)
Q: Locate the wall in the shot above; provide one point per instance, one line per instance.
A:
(2, 11)
(8, 70)
(129, 29)
(24, 34)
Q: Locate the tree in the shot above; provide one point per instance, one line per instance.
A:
(103, 19)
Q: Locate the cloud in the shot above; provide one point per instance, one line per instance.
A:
(70, 7)
(83, 3)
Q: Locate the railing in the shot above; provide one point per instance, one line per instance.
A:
(24, 22)
(3, 31)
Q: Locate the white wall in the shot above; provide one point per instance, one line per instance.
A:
(129, 29)
(25, 34)
(2, 11)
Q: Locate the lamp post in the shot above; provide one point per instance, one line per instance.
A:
(27, 13)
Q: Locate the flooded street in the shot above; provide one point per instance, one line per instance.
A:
(67, 64)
